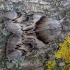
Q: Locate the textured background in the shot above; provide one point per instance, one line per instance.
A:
(57, 9)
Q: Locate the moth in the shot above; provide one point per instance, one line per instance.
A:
(30, 31)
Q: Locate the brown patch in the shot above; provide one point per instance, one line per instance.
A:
(41, 34)
(40, 23)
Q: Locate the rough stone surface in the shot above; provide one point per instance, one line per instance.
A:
(57, 9)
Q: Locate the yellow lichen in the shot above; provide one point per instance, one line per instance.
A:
(50, 64)
(64, 50)
(67, 67)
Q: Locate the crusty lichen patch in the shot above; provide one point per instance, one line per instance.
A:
(50, 64)
(64, 50)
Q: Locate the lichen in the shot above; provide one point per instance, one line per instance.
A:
(5, 32)
(14, 63)
(64, 50)
(50, 64)
(67, 67)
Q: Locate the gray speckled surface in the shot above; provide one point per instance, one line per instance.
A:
(57, 9)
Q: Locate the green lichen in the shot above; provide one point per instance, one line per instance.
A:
(14, 63)
(5, 32)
